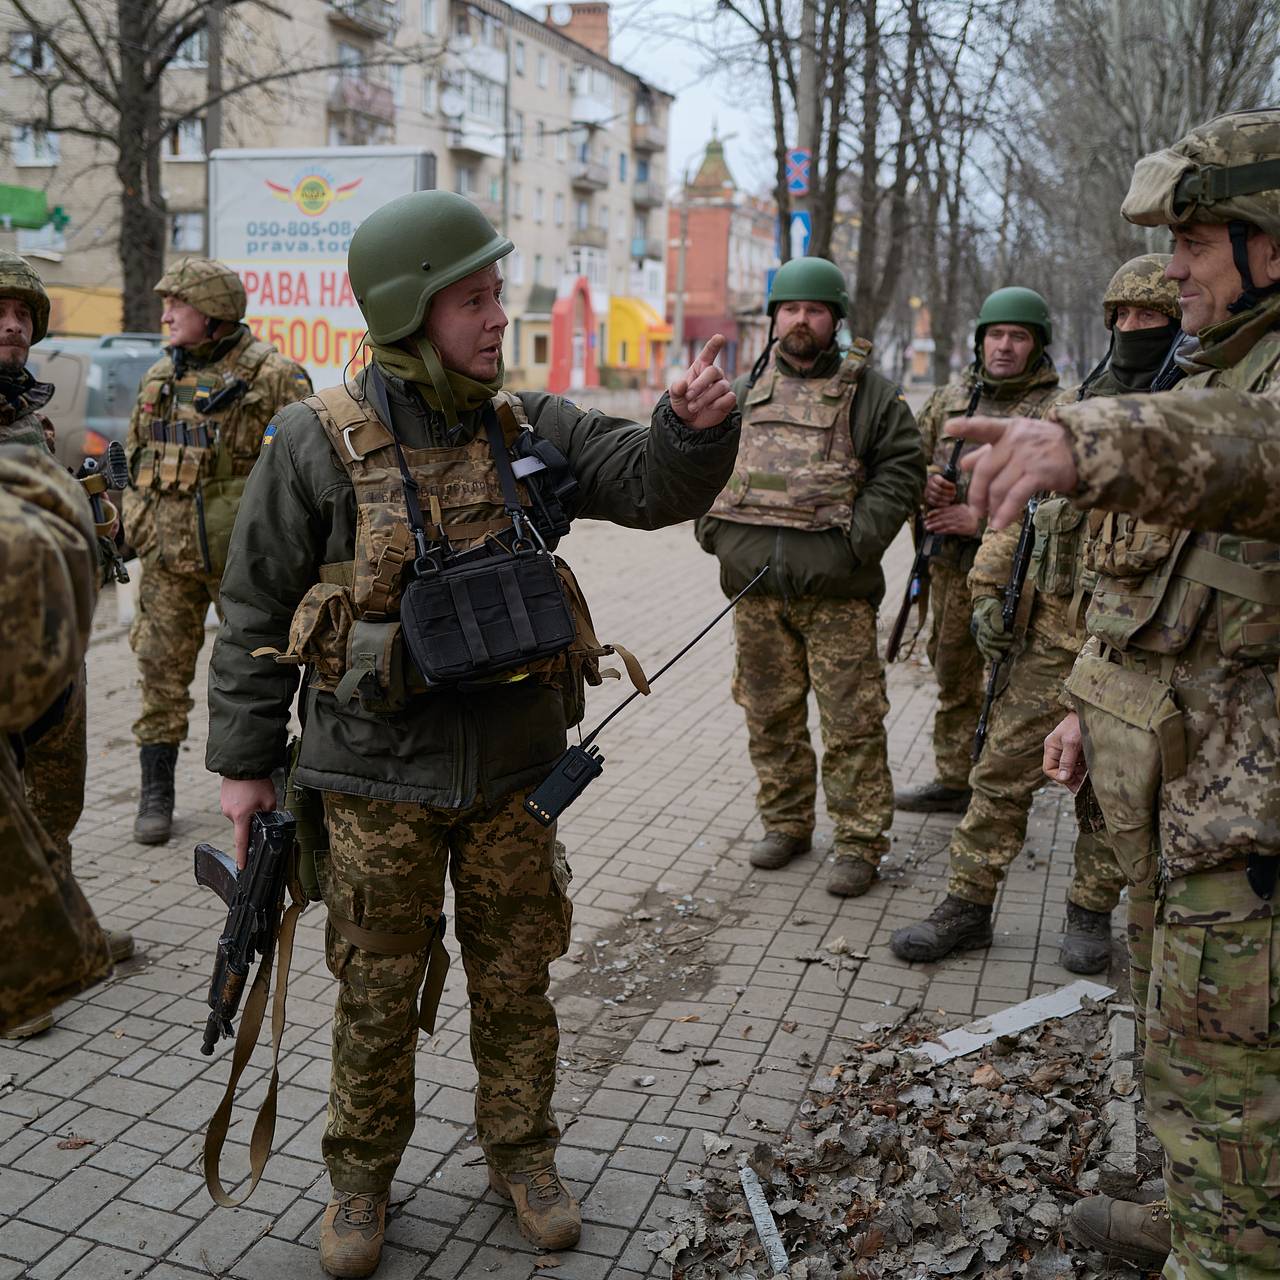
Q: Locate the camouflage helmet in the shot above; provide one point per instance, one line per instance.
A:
(1227, 170)
(408, 250)
(1015, 305)
(810, 280)
(1141, 282)
(19, 279)
(206, 284)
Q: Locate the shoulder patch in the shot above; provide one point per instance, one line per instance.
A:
(269, 434)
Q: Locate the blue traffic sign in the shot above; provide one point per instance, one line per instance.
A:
(801, 230)
(798, 161)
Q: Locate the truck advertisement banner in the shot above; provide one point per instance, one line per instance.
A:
(284, 220)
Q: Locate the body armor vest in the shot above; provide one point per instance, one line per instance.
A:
(347, 626)
(796, 467)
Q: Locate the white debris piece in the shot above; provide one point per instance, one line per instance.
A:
(1053, 1004)
(762, 1216)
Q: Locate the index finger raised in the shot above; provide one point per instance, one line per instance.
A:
(714, 346)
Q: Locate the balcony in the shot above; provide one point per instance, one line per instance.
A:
(648, 195)
(648, 247)
(589, 175)
(366, 17)
(587, 106)
(648, 136)
(589, 237)
(354, 95)
(476, 136)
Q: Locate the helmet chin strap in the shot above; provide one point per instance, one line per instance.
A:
(1251, 294)
(431, 358)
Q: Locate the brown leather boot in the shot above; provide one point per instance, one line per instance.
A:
(851, 877)
(351, 1233)
(953, 925)
(777, 849)
(1138, 1233)
(548, 1216)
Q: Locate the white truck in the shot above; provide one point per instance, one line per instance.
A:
(284, 219)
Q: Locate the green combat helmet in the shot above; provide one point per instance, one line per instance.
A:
(1141, 282)
(1015, 305)
(407, 251)
(1225, 171)
(206, 284)
(18, 279)
(810, 280)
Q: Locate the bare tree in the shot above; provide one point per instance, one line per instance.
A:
(106, 82)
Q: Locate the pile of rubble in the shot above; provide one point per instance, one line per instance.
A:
(903, 1167)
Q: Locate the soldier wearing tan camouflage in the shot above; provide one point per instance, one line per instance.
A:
(194, 436)
(56, 751)
(48, 582)
(828, 469)
(1012, 375)
(1178, 715)
(1140, 309)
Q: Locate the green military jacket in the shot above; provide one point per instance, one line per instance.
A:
(21, 399)
(447, 747)
(839, 564)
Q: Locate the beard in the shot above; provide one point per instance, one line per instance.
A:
(801, 343)
(11, 364)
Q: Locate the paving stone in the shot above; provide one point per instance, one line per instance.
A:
(272, 1259)
(136, 1226)
(25, 1241)
(75, 1198)
(619, 1198)
(104, 1263)
(220, 1239)
(60, 1260)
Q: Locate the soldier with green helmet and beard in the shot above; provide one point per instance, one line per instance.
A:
(366, 495)
(829, 469)
(193, 439)
(1011, 374)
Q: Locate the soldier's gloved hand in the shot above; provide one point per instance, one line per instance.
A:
(987, 626)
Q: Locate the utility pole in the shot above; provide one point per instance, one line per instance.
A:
(213, 45)
(807, 112)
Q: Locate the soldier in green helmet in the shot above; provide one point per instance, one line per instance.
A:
(1011, 374)
(1176, 721)
(55, 750)
(193, 439)
(828, 470)
(419, 466)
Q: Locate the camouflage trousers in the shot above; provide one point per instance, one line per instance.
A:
(385, 872)
(785, 647)
(1212, 1075)
(55, 772)
(957, 666)
(166, 636)
(1005, 780)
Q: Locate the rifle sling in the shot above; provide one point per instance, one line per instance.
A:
(264, 1127)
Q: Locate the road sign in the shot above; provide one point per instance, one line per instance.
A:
(801, 229)
(798, 171)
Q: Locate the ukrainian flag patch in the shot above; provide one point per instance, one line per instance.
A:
(269, 434)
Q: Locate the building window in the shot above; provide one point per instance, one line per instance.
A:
(562, 77)
(517, 134)
(517, 54)
(517, 348)
(537, 271)
(622, 166)
(643, 114)
(193, 51)
(461, 22)
(33, 144)
(29, 55)
(515, 272)
(537, 204)
(429, 17)
(562, 145)
(186, 232)
(559, 210)
(465, 180)
(186, 141)
(428, 95)
(541, 137)
(395, 78)
(603, 216)
(581, 214)
(484, 98)
(495, 189)
(517, 199)
(542, 71)
(490, 31)
(539, 348)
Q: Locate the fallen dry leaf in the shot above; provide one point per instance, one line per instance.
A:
(987, 1077)
(74, 1143)
(547, 1260)
(689, 1017)
(788, 1027)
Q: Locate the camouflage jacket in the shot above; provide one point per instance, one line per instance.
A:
(162, 513)
(448, 745)
(840, 563)
(1029, 397)
(21, 399)
(1200, 613)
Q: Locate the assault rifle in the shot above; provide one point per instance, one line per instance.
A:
(927, 544)
(1008, 618)
(96, 480)
(255, 900)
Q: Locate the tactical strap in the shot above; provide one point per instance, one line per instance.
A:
(380, 942)
(1209, 569)
(264, 1127)
(1210, 184)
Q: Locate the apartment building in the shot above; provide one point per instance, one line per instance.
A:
(525, 115)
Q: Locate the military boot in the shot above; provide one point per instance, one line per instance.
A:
(1138, 1233)
(155, 800)
(547, 1215)
(1086, 943)
(351, 1233)
(777, 849)
(120, 944)
(32, 1027)
(851, 877)
(933, 797)
(953, 925)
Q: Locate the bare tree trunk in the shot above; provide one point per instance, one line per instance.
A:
(868, 185)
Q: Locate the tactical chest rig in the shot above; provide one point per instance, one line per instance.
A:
(796, 467)
(451, 566)
(201, 441)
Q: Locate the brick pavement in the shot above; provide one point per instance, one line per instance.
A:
(122, 1067)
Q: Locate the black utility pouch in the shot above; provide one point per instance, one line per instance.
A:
(472, 615)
